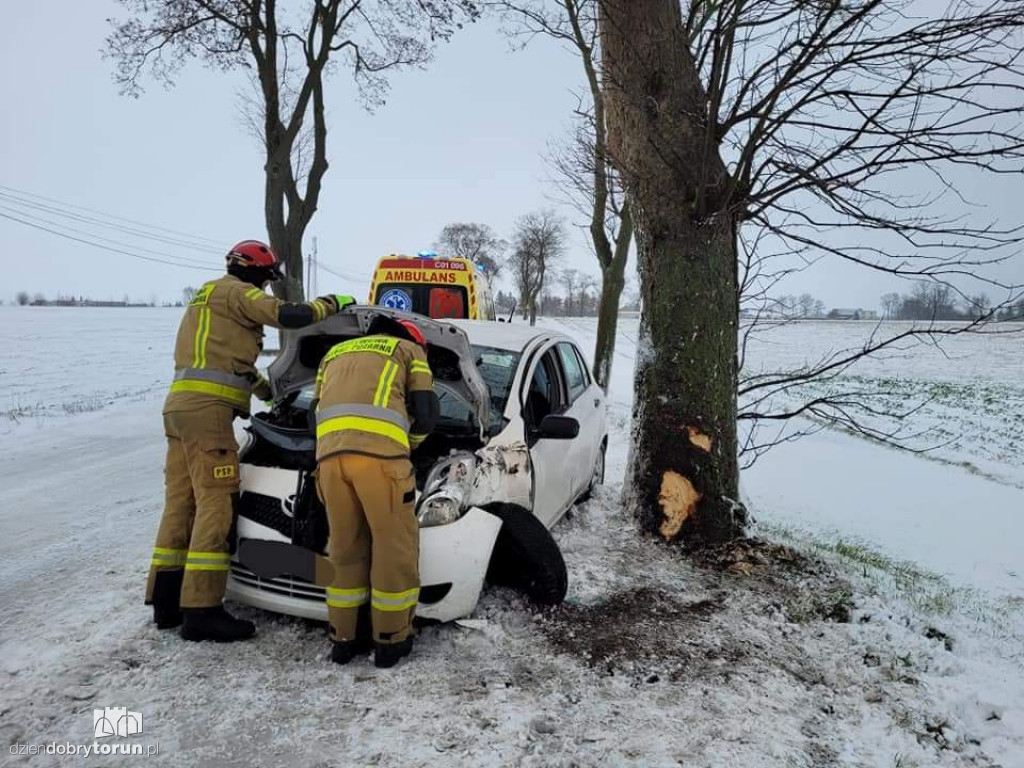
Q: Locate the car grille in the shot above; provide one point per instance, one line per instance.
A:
(265, 510)
(303, 590)
(284, 585)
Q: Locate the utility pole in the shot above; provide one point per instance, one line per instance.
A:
(309, 276)
(313, 270)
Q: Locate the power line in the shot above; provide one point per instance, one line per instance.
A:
(183, 260)
(103, 247)
(197, 238)
(92, 221)
(342, 274)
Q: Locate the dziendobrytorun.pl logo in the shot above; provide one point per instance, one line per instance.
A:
(109, 723)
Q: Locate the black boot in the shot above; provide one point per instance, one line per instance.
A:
(343, 651)
(166, 598)
(214, 624)
(386, 656)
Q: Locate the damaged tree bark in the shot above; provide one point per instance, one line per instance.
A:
(684, 476)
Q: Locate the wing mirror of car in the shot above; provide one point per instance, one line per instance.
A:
(558, 428)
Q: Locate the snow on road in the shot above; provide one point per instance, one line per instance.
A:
(80, 495)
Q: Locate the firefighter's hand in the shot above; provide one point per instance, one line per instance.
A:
(338, 300)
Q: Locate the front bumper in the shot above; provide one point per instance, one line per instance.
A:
(453, 561)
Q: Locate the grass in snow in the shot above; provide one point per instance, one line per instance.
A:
(957, 422)
(928, 592)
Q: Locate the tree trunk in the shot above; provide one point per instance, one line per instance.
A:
(684, 474)
(613, 280)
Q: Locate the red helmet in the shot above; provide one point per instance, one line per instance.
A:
(415, 332)
(253, 253)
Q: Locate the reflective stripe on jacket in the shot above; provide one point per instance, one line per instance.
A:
(363, 386)
(219, 340)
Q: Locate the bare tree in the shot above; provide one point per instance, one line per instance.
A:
(476, 242)
(22, 298)
(585, 172)
(570, 279)
(538, 243)
(802, 131)
(979, 306)
(891, 303)
(806, 302)
(290, 53)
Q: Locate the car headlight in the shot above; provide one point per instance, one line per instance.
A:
(446, 490)
(440, 509)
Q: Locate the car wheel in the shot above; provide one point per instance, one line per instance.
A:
(597, 478)
(525, 556)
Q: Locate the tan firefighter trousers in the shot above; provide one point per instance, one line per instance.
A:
(200, 476)
(373, 545)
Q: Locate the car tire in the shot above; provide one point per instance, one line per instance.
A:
(597, 478)
(526, 557)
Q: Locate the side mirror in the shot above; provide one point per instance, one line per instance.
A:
(558, 428)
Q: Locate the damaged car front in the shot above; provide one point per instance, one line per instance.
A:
(464, 466)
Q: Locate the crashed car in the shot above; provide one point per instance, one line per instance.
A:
(520, 439)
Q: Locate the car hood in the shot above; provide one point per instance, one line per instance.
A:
(450, 354)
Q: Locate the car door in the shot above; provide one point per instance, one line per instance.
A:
(544, 395)
(584, 406)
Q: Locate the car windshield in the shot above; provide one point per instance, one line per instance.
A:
(497, 368)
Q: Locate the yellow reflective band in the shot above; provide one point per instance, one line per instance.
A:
(347, 598)
(255, 293)
(418, 366)
(395, 601)
(416, 441)
(162, 556)
(207, 561)
(384, 384)
(237, 396)
(363, 424)
(202, 334)
(206, 336)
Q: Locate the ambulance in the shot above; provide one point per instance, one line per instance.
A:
(441, 288)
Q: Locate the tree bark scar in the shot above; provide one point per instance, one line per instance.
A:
(699, 439)
(678, 500)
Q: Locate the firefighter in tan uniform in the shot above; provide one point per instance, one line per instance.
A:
(215, 376)
(376, 402)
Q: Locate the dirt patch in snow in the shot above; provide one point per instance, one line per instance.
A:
(648, 633)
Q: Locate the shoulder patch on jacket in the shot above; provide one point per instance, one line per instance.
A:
(202, 296)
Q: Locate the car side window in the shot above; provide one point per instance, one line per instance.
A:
(545, 394)
(587, 380)
(575, 379)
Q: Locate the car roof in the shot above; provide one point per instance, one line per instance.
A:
(510, 336)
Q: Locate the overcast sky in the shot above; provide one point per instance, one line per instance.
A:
(461, 141)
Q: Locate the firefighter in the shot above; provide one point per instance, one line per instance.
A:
(215, 376)
(376, 402)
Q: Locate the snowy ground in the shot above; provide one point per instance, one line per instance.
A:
(654, 661)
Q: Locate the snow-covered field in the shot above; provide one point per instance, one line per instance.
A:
(654, 661)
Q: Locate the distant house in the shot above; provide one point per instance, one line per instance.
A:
(852, 314)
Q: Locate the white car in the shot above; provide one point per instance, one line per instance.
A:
(521, 438)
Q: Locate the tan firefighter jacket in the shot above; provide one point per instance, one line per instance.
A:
(368, 390)
(218, 342)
